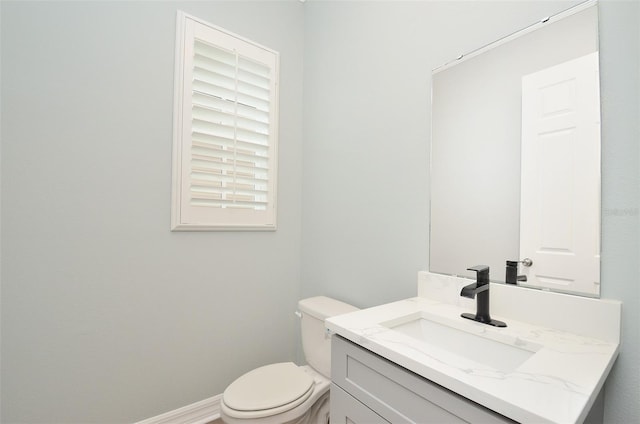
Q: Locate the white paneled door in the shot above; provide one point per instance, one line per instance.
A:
(560, 183)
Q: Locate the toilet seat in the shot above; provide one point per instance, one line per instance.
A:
(268, 390)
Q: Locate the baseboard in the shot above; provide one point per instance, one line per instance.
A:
(202, 412)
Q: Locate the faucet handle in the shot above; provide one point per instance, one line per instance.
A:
(479, 268)
(482, 273)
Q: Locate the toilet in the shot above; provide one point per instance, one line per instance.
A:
(285, 393)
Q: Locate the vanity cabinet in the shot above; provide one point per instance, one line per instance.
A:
(368, 389)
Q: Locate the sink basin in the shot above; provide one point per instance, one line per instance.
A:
(500, 352)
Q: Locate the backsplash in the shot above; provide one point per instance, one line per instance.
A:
(597, 318)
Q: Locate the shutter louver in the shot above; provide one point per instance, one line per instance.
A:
(230, 130)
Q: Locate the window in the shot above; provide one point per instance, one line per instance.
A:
(225, 131)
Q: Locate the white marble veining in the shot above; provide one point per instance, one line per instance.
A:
(558, 379)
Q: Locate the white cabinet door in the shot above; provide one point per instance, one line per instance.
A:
(560, 185)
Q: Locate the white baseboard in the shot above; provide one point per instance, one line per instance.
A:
(202, 412)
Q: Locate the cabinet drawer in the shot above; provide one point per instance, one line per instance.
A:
(398, 395)
(345, 409)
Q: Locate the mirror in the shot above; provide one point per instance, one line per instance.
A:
(478, 159)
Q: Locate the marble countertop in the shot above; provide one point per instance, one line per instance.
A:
(558, 383)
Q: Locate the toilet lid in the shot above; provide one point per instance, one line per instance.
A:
(268, 387)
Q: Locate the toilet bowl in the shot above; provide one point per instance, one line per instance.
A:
(277, 400)
(285, 393)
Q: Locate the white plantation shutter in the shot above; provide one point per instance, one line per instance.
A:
(226, 132)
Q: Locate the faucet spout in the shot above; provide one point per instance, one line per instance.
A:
(481, 289)
(472, 290)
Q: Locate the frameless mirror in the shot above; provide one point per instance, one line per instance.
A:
(515, 157)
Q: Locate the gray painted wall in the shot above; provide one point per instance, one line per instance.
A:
(367, 124)
(109, 317)
(620, 94)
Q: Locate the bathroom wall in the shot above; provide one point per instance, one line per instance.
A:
(367, 124)
(107, 316)
(620, 94)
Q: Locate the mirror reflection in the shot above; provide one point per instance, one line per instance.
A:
(515, 157)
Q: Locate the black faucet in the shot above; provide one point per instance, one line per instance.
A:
(481, 289)
(512, 276)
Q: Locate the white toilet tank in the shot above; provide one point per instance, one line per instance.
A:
(315, 342)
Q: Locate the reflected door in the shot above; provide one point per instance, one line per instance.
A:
(560, 185)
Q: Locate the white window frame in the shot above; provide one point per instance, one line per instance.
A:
(233, 204)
